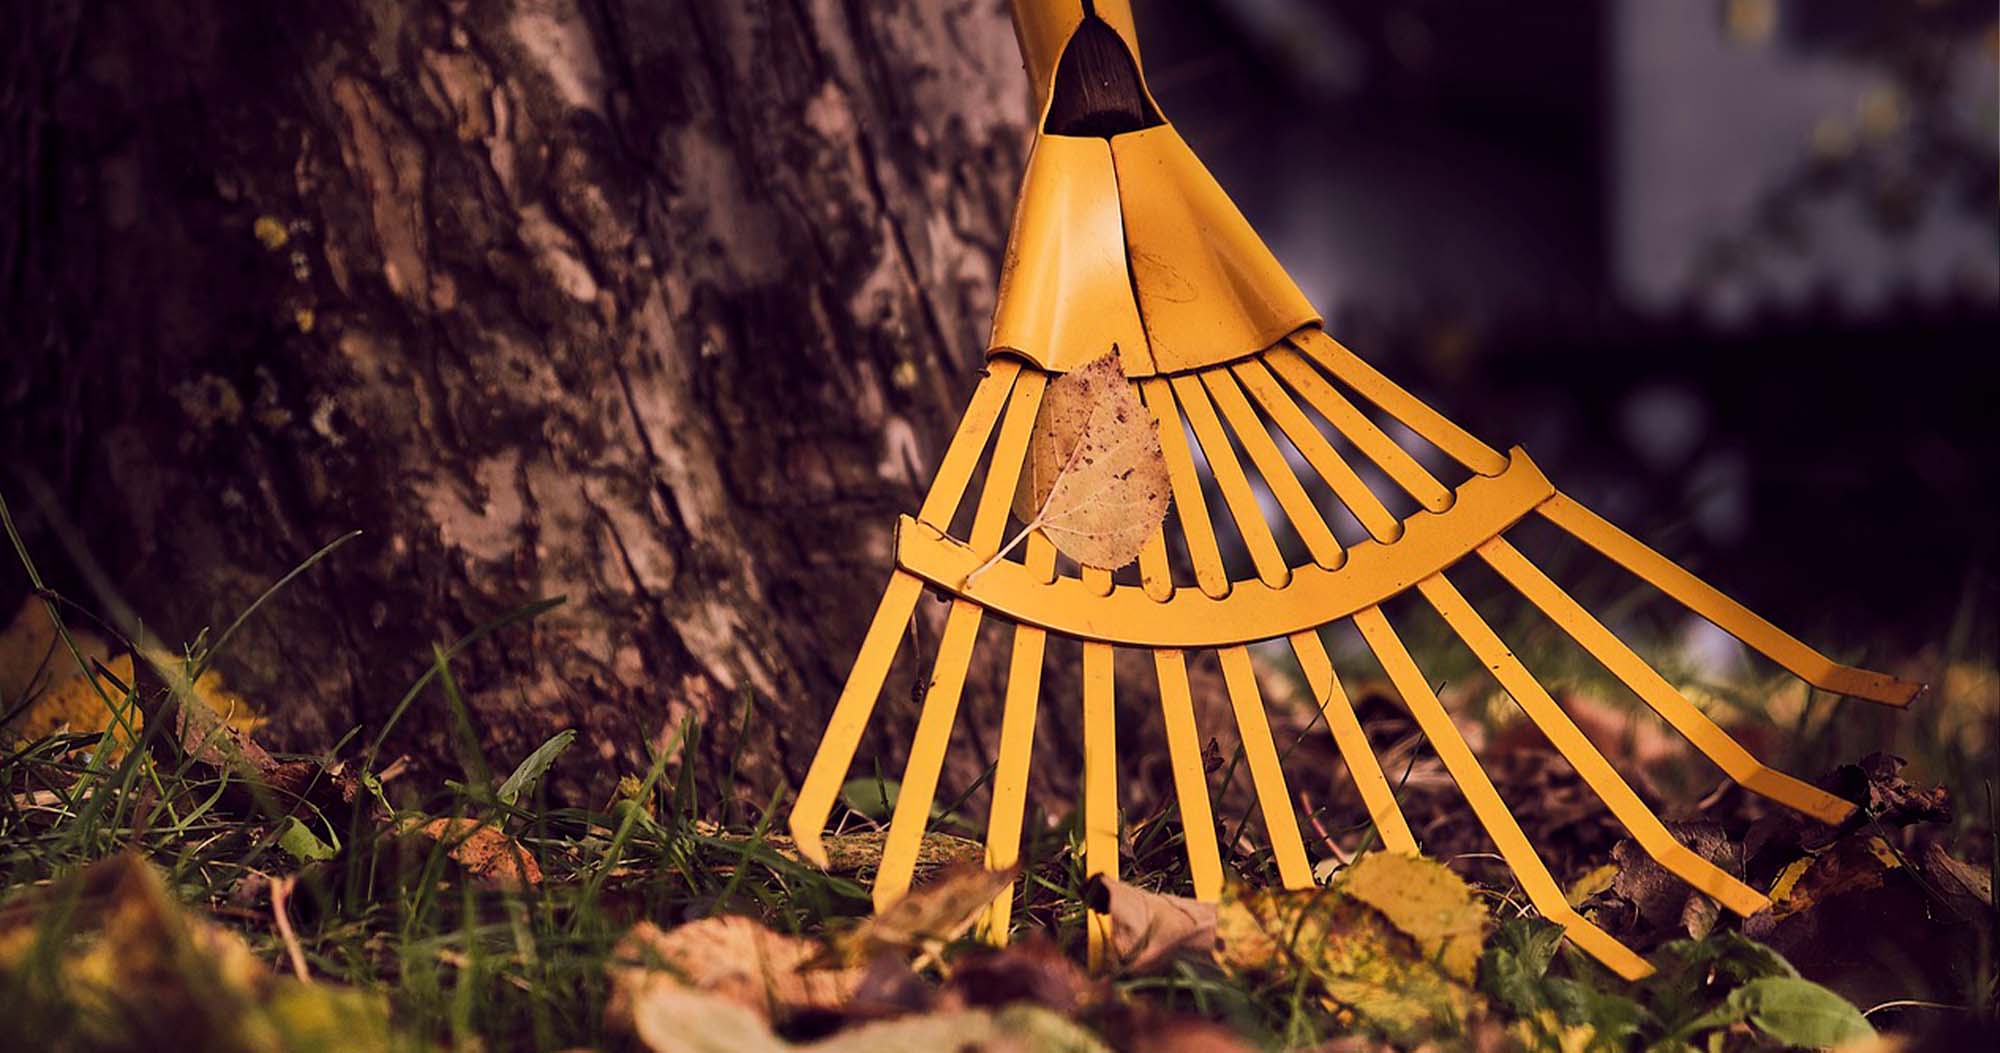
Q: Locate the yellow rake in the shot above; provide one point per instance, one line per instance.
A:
(1122, 239)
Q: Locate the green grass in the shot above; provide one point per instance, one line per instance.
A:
(470, 964)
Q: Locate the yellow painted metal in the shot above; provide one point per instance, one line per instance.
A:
(1434, 427)
(1271, 466)
(1100, 781)
(1209, 290)
(1653, 689)
(1065, 285)
(1190, 777)
(1274, 799)
(1189, 504)
(1154, 572)
(850, 713)
(1732, 617)
(1305, 436)
(1355, 427)
(1236, 493)
(1540, 886)
(1017, 743)
(954, 654)
(1570, 741)
(1341, 721)
(1252, 610)
(1126, 240)
(885, 631)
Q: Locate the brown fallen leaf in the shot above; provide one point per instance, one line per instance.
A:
(486, 851)
(683, 1020)
(1150, 929)
(732, 957)
(1095, 481)
(1034, 971)
(926, 919)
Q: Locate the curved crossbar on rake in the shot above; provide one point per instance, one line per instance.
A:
(1244, 405)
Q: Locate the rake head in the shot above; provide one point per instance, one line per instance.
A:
(1122, 239)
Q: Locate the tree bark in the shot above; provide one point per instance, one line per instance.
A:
(665, 308)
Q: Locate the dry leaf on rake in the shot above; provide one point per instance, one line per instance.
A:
(1095, 481)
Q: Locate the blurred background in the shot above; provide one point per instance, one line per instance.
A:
(1730, 270)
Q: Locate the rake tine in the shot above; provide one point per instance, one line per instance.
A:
(1271, 464)
(1437, 429)
(1098, 580)
(1733, 618)
(1570, 741)
(1274, 798)
(1352, 742)
(1188, 499)
(1190, 778)
(1327, 461)
(1100, 782)
(1653, 689)
(1236, 492)
(1536, 881)
(885, 631)
(954, 655)
(1017, 743)
(1154, 573)
(1372, 441)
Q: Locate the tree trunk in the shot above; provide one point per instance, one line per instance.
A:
(664, 308)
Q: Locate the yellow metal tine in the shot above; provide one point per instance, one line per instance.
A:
(1188, 499)
(1236, 492)
(1653, 689)
(1274, 798)
(885, 632)
(961, 631)
(1097, 579)
(1100, 782)
(1457, 443)
(1327, 461)
(1154, 573)
(850, 714)
(1372, 441)
(1732, 617)
(920, 773)
(1190, 777)
(1017, 743)
(1541, 887)
(1570, 741)
(1271, 464)
(1010, 453)
(1376, 794)
(954, 472)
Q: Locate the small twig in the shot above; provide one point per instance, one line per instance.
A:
(281, 889)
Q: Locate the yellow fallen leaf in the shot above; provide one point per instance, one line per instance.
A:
(1427, 902)
(1401, 965)
(1095, 481)
(36, 664)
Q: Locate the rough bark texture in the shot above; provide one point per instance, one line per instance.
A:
(666, 308)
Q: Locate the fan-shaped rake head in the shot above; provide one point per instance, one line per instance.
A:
(1243, 410)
